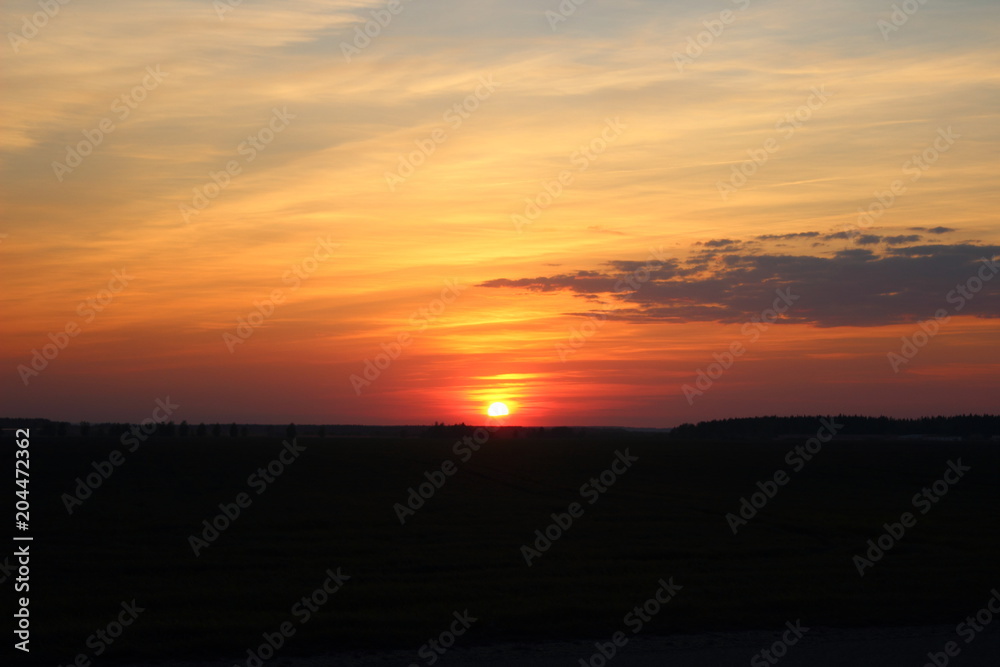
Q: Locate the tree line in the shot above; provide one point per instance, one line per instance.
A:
(767, 428)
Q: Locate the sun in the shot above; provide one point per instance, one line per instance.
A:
(498, 410)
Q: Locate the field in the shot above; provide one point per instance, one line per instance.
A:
(332, 506)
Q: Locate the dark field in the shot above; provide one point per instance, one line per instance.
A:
(333, 508)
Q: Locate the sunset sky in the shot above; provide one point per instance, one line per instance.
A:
(541, 209)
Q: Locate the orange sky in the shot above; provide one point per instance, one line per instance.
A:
(310, 204)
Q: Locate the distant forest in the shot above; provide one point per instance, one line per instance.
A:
(967, 427)
(973, 427)
(88, 430)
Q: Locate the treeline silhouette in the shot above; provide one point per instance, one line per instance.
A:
(169, 429)
(767, 428)
(115, 430)
(442, 430)
(971, 427)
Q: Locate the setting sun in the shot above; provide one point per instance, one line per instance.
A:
(498, 410)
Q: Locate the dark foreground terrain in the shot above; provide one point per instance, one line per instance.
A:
(663, 521)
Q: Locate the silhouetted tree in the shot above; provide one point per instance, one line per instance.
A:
(202, 430)
(290, 432)
(85, 429)
(233, 430)
(184, 430)
(217, 431)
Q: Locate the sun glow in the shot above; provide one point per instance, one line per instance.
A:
(498, 410)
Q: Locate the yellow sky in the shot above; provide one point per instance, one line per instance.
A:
(509, 104)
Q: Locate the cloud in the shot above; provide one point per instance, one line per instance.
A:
(589, 283)
(855, 287)
(786, 237)
(872, 239)
(901, 239)
(934, 230)
(858, 254)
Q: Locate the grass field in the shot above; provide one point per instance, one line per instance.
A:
(332, 507)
